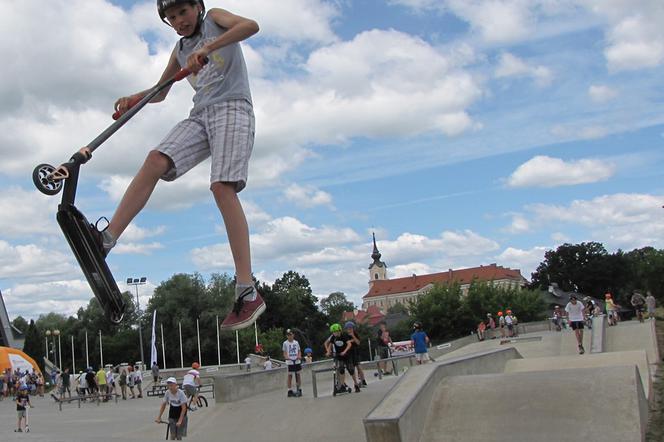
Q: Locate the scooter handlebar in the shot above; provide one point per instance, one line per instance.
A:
(181, 74)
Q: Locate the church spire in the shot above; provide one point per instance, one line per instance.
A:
(376, 254)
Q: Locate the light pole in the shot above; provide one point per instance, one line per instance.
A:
(54, 333)
(57, 333)
(136, 282)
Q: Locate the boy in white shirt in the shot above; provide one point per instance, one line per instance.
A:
(576, 313)
(293, 358)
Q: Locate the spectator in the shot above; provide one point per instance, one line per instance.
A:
(509, 323)
(155, 374)
(491, 325)
(65, 384)
(101, 383)
(82, 384)
(481, 329)
(293, 357)
(90, 380)
(611, 309)
(247, 363)
(420, 342)
(501, 324)
(383, 343)
(130, 381)
(639, 304)
(122, 381)
(110, 380)
(652, 304)
(308, 358)
(267, 365)
(138, 380)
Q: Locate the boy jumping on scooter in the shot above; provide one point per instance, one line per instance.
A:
(220, 125)
(339, 344)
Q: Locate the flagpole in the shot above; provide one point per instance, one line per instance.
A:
(198, 338)
(87, 359)
(181, 358)
(73, 359)
(163, 352)
(101, 351)
(218, 344)
(256, 333)
(153, 344)
(237, 346)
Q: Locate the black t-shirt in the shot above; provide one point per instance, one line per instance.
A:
(90, 379)
(339, 344)
(22, 400)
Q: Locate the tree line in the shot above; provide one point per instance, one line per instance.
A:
(444, 312)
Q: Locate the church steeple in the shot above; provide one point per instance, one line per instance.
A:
(377, 269)
(376, 254)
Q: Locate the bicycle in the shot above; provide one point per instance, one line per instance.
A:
(201, 401)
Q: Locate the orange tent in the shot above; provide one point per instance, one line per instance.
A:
(14, 358)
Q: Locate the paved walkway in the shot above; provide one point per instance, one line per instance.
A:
(268, 417)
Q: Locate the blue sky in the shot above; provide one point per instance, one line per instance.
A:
(461, 132)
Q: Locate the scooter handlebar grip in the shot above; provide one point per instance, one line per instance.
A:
(132, 103)
(184, 72)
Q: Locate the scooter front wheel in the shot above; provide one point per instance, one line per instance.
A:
(40, 176)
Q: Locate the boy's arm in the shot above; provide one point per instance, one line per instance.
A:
(237, 29)
(161, 411)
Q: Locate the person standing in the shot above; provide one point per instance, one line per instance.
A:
(267, 365)
(491, 325)
(383, 342)
(420, 342)
(130, 381)
(349, 327)
(652, 304)
(138, 380)
(90, 380)
(293, 357)
(501, 324)
(247, 363)
(575, 311)
(639, 303)
(102, 383)
(122, 381)
(65, 384)
(82, 384)
(611, 309)
(155, 374)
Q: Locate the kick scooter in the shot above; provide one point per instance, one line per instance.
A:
(77, 229)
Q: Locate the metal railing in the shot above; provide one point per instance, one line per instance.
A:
(393, 360)
(91, 397)
(158, 390)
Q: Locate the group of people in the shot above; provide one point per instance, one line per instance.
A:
(104, 382)
(507, 326)
(11, 382)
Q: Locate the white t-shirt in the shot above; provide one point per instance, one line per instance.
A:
(190, 378)
(508, 320)
(247, 360)
(268, 365)
(175, 400)
(292, 349)
(575, 311)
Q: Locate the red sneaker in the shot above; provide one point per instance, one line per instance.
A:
(244, 313)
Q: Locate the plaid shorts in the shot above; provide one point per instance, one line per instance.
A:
(223, 131)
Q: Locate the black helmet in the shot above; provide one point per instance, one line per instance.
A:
(163, 5)
(417, 325)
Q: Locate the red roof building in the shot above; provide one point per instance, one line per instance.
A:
(372, 316)
(384, 293)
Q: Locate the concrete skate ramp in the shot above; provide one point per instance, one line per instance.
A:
(637, 358)
(589, 404)
(628, 335)
(402, 413)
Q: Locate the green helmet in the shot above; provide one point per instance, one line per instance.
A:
(335, 328)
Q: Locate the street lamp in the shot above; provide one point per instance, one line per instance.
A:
(136, 282)
(54, 333)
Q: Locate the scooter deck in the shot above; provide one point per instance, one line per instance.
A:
(78, 232)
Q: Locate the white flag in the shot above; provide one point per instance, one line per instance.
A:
(153, 355)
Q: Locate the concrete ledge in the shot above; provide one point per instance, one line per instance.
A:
(401, 415)
(234, 387)
(598, 335)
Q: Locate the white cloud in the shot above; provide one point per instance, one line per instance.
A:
(509, 65)
(544, 171)
(307, 196)
(135, 233)
(32, 262)
(524, 260)
(27, 213)
(600, 93)
(621, 220)
(520, 224)
(136, 248)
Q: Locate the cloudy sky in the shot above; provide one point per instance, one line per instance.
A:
(463, 132)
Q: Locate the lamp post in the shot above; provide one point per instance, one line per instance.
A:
(57, 333)
(136, 282)
(54, 333)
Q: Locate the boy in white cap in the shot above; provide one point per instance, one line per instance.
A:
(177, 411)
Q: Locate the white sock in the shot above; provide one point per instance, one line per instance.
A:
(108, 240)
(241, 288)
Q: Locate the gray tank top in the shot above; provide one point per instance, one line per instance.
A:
(224, 77)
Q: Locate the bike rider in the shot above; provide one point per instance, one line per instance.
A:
(190, 384)
(639, 303)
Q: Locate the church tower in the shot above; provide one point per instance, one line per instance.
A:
(377, 269)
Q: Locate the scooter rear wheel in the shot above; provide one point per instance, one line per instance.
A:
(45, 185)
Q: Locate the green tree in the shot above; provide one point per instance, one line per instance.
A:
(34, 344)
(398, 308)
(335, 304)
(440, 312)
(20, 324)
